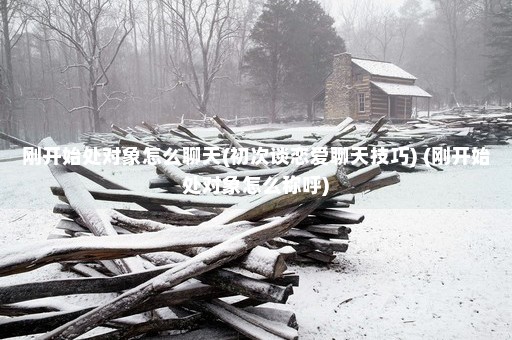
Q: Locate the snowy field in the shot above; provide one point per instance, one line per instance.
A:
(431, 260)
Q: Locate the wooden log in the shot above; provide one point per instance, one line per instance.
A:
(20, 258)
(340, 216)
(242, 285)
(298, 234)
(363, 175)
(84, 270)
(32, 324)
(251, 325)
(229, 135)
(166, 217)
(208, 332)
(260, 260)
(292, 168)
(278, 315)
(376, 127)
(81, 170)
(19, 310)
(158, 198)
(206, 261)
(332, 230)
(266, 262)
(36, 290)
(260, 206)
(161, 182)
(226, 131)
(286, 279)
(319, 256)
(328, 246)
(347, 198)
(175, 174)
(380, 181)
(270, 263)
(154, 325)
(82, 202)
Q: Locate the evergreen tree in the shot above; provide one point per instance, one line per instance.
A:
(499, 71)
(313, 43)
(266, 59)
(293, 43)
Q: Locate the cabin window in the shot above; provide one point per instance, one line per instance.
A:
(360, 100)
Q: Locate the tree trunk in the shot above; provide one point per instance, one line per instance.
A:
(93, 100)
(273, 104)
(140, 84)
(454, 69)
(309, 106)
(95, 109)
(9, 77)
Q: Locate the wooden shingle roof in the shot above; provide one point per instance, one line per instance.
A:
(382, 68)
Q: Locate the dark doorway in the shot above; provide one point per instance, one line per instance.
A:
(392, 106)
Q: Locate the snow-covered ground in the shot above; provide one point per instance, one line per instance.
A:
(431, 260)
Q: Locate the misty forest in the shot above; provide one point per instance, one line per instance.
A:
(71, 66)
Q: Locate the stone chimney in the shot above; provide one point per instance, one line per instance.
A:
(339, 93)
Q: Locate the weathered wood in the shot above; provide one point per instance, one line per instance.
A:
(242, 285)
(206, 261)
(328, 245)
(287, 279)
(19, 310)
(332, 230)
(278, 315)
(319, 256)
(81, 170)
(161, 182)
(166, 199)
(260, 260)
(166, 217)
(292, 168)
(20, 258)
(340, 216)
(229, 135)
(269, 263)
(155, 325)
(96, 220)
(32, 324)
(39, 323)
(36, 290)
(217, 331)
(249, 324)
(259, 206)
(380, 181)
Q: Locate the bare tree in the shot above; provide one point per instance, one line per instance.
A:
(349, 20)
(96, 30)
(454, 16)
(204, 28)
(13, 24)
(384, 32)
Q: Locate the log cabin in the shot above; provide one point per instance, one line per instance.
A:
(365, 89)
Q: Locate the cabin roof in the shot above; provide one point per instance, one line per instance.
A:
(401, 89)
(382, 68)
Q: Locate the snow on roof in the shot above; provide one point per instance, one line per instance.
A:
(382, 68)
(401, 90)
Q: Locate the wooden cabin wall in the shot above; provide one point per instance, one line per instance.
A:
(393, 80)
(362, 86)
(379, 102)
